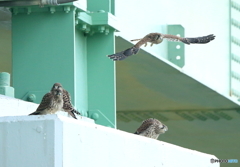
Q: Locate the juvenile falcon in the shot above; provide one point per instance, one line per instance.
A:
(51, 102)
(151, 128)
(67, 105)
(156, 38)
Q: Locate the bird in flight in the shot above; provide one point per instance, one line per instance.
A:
(51, 102)
(151, 128)
(156, 38)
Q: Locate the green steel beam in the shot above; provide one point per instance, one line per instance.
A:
(96, 22)
(99, 26)
(43, 51)
(52, 44)
(176, 49)
(101, 79)
(80, 72)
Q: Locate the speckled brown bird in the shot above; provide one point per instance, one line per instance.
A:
(51, 102)
(156, 38)
(151, 128)
(67, 105)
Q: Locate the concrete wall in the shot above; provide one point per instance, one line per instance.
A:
(59, 141)
(56, 141)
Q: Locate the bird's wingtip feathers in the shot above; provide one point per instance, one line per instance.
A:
(124, 54)
(117, 56)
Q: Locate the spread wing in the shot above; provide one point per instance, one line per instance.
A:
(171, 37)
(156, 38)
(152, 37)
(194, 40)
(198, 40)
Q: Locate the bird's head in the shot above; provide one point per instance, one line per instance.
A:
(57, 89)
(162, 128)
(158, 39)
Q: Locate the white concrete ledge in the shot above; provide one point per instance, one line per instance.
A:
(58, 141)
(10, 106)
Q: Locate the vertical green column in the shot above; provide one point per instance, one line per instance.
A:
(101, 79)
(80, 73)
(43, 53)
(101, 70)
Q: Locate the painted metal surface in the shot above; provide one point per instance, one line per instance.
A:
(101, 77)
(176, 50)
(58, 141)
(53, 44)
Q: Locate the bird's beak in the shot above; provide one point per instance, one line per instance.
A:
(165, 128)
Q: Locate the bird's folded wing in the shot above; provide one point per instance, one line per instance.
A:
(46, 102)
(145, 125)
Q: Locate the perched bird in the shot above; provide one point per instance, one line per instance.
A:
(51, 102)
(156, 38)
(67, 105)
(151, 128)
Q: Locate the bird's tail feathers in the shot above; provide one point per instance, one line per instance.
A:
(76, 112)
(72, 114)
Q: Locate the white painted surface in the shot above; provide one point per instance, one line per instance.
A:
(10, 106)
(58, 141)
(207, 63)
(13, 107)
